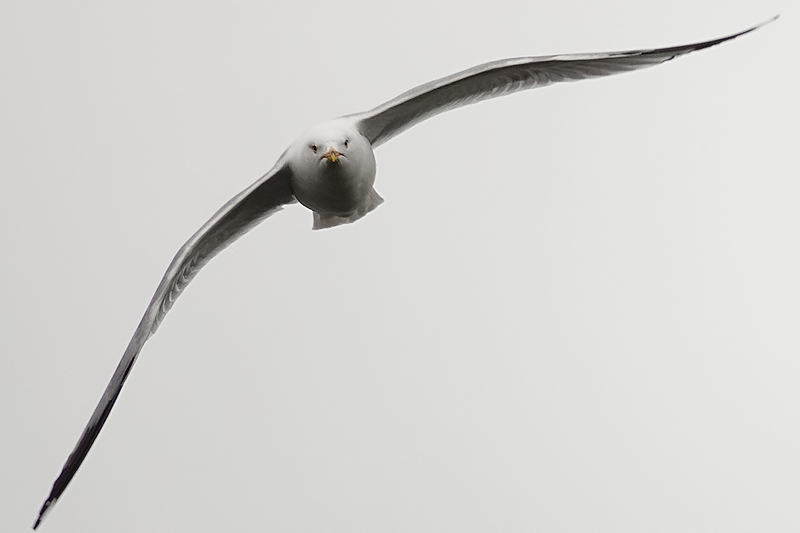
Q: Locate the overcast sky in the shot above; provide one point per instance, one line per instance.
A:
(577, 310)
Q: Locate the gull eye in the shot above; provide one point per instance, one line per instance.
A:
(314, 148)
(346, 142)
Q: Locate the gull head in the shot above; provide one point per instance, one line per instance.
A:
(333, 168)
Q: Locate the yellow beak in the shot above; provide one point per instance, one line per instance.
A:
(332, 155)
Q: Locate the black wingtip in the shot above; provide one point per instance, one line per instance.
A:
(715, 42)
(48, 504)
(744, 32)
(768, 21)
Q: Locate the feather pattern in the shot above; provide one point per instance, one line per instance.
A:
(262, 199)
(507, 76)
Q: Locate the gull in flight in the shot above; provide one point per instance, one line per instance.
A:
(330, 169)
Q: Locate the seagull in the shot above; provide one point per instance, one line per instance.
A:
(330, 169)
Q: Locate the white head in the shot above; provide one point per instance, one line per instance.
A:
(333, 167)
(329, 143)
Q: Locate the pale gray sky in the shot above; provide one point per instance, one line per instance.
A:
(576, 311)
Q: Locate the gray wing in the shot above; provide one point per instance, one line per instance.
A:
(507, 76)
(244, 211)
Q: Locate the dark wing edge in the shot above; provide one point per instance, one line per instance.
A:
(243, 212)
(507, 76)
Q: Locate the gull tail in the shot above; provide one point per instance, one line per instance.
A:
(328, 221)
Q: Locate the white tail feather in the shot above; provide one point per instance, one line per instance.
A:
(328, 221)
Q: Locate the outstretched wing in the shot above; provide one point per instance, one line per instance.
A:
(265, 197)
(499, 78)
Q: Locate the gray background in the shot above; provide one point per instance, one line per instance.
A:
(576, 311)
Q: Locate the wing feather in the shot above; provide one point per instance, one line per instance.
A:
(507, 76)
(244, 211)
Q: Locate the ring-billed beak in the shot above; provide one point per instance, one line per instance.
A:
(332, 155)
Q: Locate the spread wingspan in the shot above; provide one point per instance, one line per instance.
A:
(262, 199)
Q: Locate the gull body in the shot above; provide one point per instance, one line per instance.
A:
(333, 172)
(330, 169)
